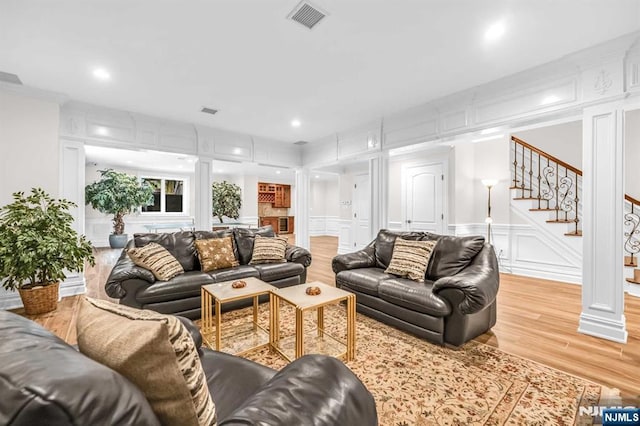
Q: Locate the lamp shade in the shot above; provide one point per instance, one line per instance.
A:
(489, 182)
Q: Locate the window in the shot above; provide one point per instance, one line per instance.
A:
(168, 195)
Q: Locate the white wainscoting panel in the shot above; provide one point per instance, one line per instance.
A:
(345, 238)
(324, 226)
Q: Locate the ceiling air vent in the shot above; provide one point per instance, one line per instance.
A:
(209, 110)
(301, 143)
(306, 14)
(10, 78)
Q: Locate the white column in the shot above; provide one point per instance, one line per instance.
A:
(203, 194)
(603, 202)
(72, 170)
(379, 184)
(302, 208)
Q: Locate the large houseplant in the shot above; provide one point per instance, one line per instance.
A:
(226, 200)
(38, 246)
(118, 194)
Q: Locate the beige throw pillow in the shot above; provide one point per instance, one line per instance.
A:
(157, 259)
(155, 352)
(268, 250)
(410, 258)
(216, 253)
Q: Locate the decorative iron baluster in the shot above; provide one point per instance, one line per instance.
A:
(515, 164)
(566, 193)
(530, 174)
(632, 234)
(547, 192)
(539, 178)
(522, 174)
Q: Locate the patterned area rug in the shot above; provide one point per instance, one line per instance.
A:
(418, 383)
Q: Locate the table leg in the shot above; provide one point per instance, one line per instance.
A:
(351, 327)
(218, 325)
(299, 333)
(255, 313)
(320, 321)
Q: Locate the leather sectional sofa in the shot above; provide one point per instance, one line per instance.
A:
(137, 287)
(43, 380)
(457, 301)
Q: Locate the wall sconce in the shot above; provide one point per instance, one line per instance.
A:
(489, 183)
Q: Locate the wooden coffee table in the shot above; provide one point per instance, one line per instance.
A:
(318, 340)
(243, 337)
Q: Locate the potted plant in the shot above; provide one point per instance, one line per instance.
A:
(118, 194)
(38, 246)
(226, 200)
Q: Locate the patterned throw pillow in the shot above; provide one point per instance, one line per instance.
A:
(155, 352)
(268, 250)
(216, 253)
(410, 258)
(157, 259)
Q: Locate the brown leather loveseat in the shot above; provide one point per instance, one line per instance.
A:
(457, 301)
(137, 287)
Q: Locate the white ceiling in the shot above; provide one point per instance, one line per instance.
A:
(139, 160)
(366, 59)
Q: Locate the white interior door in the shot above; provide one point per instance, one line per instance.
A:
(361, 212)
(423, 207)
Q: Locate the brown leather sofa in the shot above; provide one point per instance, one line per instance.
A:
(137, 287)
(457, 301)
(45, 381)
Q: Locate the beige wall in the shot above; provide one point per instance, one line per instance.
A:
(632, 154)
(29, 143)
(563, 141)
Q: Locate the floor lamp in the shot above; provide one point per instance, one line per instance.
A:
(489, 183)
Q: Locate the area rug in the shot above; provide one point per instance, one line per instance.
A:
(418, 383)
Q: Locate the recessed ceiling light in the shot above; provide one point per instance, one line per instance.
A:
(102, 131)
(237, 151)
(317, 176)
(295, 123)
(277, 172)
(487, 138)
(101, 74)
(490, 130)
(495, 31)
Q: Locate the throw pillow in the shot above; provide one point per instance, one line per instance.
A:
(268, 250)
(410, 258)
(157, 259)
(155, 352)
(216, 253)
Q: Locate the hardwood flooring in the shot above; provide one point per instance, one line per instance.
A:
(537, 320)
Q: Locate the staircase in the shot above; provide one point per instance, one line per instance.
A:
(551, 188)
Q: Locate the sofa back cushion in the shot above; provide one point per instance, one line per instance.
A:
(244, 238)
(155, 352)
(156, 259)
(386, 239)
(452, 254)
(180, 244)
(44, 380)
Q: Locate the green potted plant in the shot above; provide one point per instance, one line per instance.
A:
(38, 245)
(226, 200)
(118, 194)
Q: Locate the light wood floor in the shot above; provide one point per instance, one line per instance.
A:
(537, 320)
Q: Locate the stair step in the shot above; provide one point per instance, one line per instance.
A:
(574, 234)
(632, 262)
(525, 198)
(560, 221)
(520, 188)
(630, 280)
(542, 210)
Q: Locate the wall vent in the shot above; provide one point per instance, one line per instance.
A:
(209, 110)
(10, 78)
(306, 14)
(301, 143)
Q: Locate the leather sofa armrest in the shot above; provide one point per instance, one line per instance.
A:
(313, 390)
(124, 270)
(298, 255)
(193, 330)
(364, 258)
(478, 282)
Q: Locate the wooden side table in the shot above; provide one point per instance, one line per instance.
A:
(318, 341)
(245, 337)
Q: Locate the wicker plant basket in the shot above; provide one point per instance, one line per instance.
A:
(41, 299)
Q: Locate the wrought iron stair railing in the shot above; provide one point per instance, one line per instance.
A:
(632, 232)
(551, 183)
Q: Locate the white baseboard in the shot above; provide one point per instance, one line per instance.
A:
(73, 285)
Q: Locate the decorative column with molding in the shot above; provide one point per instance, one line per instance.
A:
(303, 189)
(603, 200)
(203, 194)
(379, 185)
